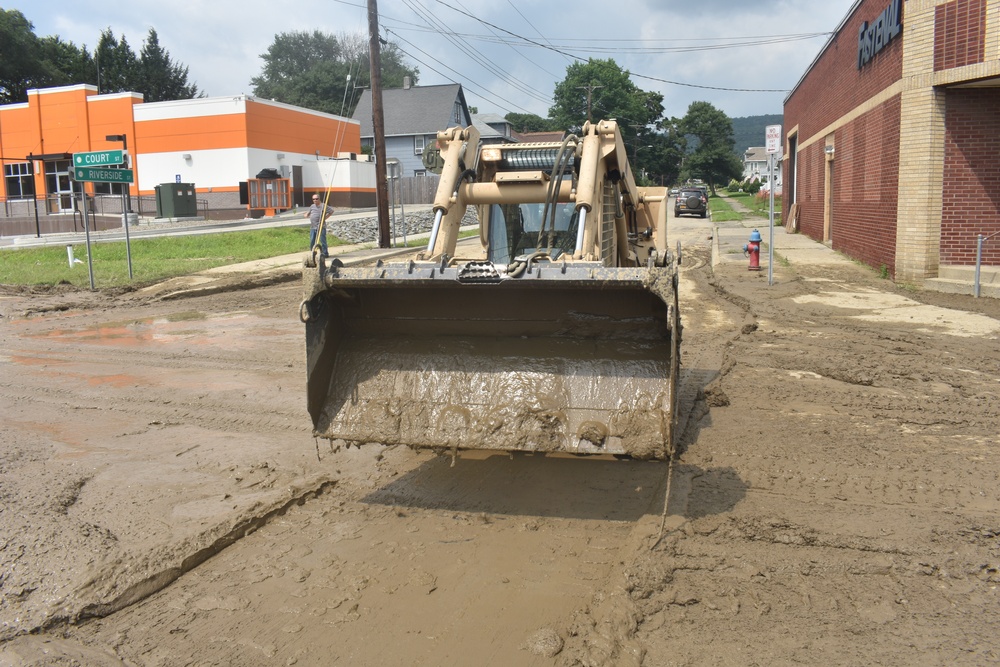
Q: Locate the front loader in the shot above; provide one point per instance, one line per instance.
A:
(558, 332)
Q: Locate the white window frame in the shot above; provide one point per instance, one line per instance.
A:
(418, 144)
(21, 172)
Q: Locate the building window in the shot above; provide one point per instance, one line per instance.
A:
(20, 180)
(110, 188)
(418, 145)
(420, 172)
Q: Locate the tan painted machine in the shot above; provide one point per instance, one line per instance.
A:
(558, 332)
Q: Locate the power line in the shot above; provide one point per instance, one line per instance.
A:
(507, 104)
(475, 55)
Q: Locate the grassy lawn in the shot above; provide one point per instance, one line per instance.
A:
(722, 211)
(153, 259)
(157, 259)
(759, 206)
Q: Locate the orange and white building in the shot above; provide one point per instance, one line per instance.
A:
(215, 143)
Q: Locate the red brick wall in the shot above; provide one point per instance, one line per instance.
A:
(971, 194)
(833, 87)
(959, 33)
(866, 187)
(809, 183)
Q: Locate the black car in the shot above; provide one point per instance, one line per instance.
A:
(691, 200)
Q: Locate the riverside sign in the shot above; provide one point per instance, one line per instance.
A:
(874, 37)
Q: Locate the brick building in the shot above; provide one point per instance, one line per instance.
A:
(892, 137)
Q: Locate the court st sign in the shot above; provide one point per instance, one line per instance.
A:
(102, 175)
(874, 37)
(98, 158)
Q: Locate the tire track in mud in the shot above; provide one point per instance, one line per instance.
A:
(834, 494)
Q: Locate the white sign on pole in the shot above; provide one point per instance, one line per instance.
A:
(773, 138)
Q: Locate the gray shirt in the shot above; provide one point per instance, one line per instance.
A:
(314, 214)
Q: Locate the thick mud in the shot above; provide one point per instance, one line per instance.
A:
(835, 499)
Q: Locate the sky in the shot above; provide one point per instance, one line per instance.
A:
(742, 57)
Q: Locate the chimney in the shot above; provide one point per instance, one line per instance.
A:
(406, 83)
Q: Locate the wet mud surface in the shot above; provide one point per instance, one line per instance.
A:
(835, 499)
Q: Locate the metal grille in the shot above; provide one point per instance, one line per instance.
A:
(607, 221)
(529, 159)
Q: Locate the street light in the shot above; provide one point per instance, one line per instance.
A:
(124, 139)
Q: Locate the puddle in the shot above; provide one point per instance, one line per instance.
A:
(191, 327)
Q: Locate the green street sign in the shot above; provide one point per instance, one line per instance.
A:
(102, 175)
(98, 158)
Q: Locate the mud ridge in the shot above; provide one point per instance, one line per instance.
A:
(240, 283)
(160, 580)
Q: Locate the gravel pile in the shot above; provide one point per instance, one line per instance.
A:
(364, 229)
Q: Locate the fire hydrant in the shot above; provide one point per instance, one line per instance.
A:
(752, 249)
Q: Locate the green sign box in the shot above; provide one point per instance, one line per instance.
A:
(98, 158)
(102, 175)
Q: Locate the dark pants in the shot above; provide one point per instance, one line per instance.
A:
(322, 240)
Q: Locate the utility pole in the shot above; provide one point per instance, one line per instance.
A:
(590, 90)
(378, 125)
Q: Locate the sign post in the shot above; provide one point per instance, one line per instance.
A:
(773, 145)
(97, 167)
(86, 228)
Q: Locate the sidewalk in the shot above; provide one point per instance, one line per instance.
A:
(799, 249)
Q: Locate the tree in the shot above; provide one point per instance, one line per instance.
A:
(27, 61)
(529, 122)
(658, 154)
(600, 89)
(162, 79)
(117, 64)
(713, 160)
(20, 66)
(320, 71)
(64, 64)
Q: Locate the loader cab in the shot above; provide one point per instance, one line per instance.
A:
(517, 229)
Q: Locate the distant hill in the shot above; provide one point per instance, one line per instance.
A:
(748, 131)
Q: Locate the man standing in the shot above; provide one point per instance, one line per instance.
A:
(317, 214)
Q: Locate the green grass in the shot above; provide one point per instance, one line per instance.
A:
(759, 206)
(722, 211)
(157, 259)
(153, 259)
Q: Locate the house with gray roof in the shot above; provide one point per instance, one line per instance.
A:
(493, 128)
(413, 115)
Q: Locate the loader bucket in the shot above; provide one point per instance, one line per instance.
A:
(565, 359)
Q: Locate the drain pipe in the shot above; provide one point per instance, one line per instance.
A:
(979, 258)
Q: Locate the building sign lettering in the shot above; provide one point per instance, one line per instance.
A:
(875, 36)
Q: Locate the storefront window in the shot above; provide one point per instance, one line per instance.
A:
(19, 180)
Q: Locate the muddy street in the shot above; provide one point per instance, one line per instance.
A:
(834, 502)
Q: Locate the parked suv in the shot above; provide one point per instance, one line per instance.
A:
(691, 200)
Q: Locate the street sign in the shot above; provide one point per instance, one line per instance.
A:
(773, 138)
(98, 158)
(102, 175)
